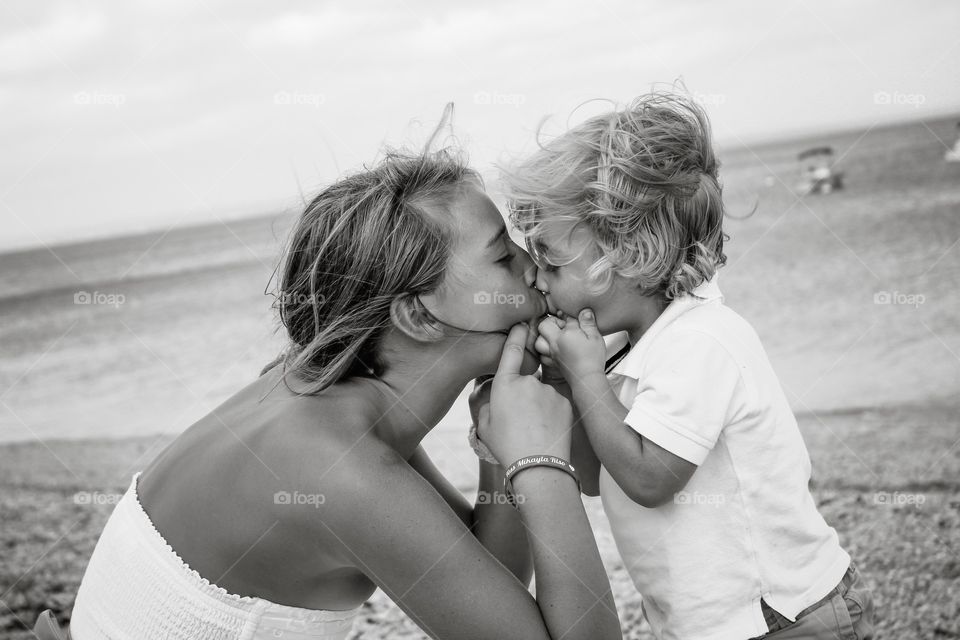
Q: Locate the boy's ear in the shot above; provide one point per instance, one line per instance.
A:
(410, 316)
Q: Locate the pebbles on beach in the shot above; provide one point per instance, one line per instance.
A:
(890, 490)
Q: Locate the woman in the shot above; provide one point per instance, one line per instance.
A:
(279, 513)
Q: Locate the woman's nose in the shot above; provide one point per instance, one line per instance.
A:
(541, 282)
(530, 271)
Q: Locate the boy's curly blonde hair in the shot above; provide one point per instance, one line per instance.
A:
(643, 179)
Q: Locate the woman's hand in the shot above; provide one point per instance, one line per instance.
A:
(524, 417)
(404, 536)
(480, 396)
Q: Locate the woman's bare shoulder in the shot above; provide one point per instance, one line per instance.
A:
(334, 415)
(326, 436)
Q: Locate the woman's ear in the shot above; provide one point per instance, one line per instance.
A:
(410, 316)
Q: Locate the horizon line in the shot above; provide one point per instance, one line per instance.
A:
(738, 145)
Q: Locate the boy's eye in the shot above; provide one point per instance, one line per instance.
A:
(506, 259)
(538, 251)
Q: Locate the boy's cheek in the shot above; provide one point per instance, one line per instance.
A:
(574, 297)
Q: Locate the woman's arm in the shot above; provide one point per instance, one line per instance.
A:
(582, 455)
(499, 526)
(393, 526)
(423, 465)
(526, 418)
(495, 524)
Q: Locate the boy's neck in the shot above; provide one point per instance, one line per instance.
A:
(644, 313)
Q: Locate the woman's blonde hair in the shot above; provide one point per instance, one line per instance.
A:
(643, 179)
(364, 241)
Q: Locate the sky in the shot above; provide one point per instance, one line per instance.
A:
(146, 114)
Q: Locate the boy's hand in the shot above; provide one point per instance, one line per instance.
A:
(572, 345)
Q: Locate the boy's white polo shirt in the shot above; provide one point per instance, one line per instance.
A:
(698, 383)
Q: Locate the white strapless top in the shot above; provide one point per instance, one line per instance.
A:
(136, 587)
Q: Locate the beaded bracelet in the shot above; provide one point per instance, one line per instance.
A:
(534, 461)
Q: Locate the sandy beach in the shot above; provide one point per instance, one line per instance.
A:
(886, 479)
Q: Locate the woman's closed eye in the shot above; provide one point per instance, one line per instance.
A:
(510, 255)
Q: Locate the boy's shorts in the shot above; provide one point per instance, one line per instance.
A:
(846, 613)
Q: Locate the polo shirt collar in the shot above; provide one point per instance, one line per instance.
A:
(705, 292)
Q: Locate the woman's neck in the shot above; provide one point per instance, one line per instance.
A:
(420, 384)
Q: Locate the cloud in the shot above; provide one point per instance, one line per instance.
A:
(200, 82)
(52, 43)
(304, 29)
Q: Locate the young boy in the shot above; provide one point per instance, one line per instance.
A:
(704, 473)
